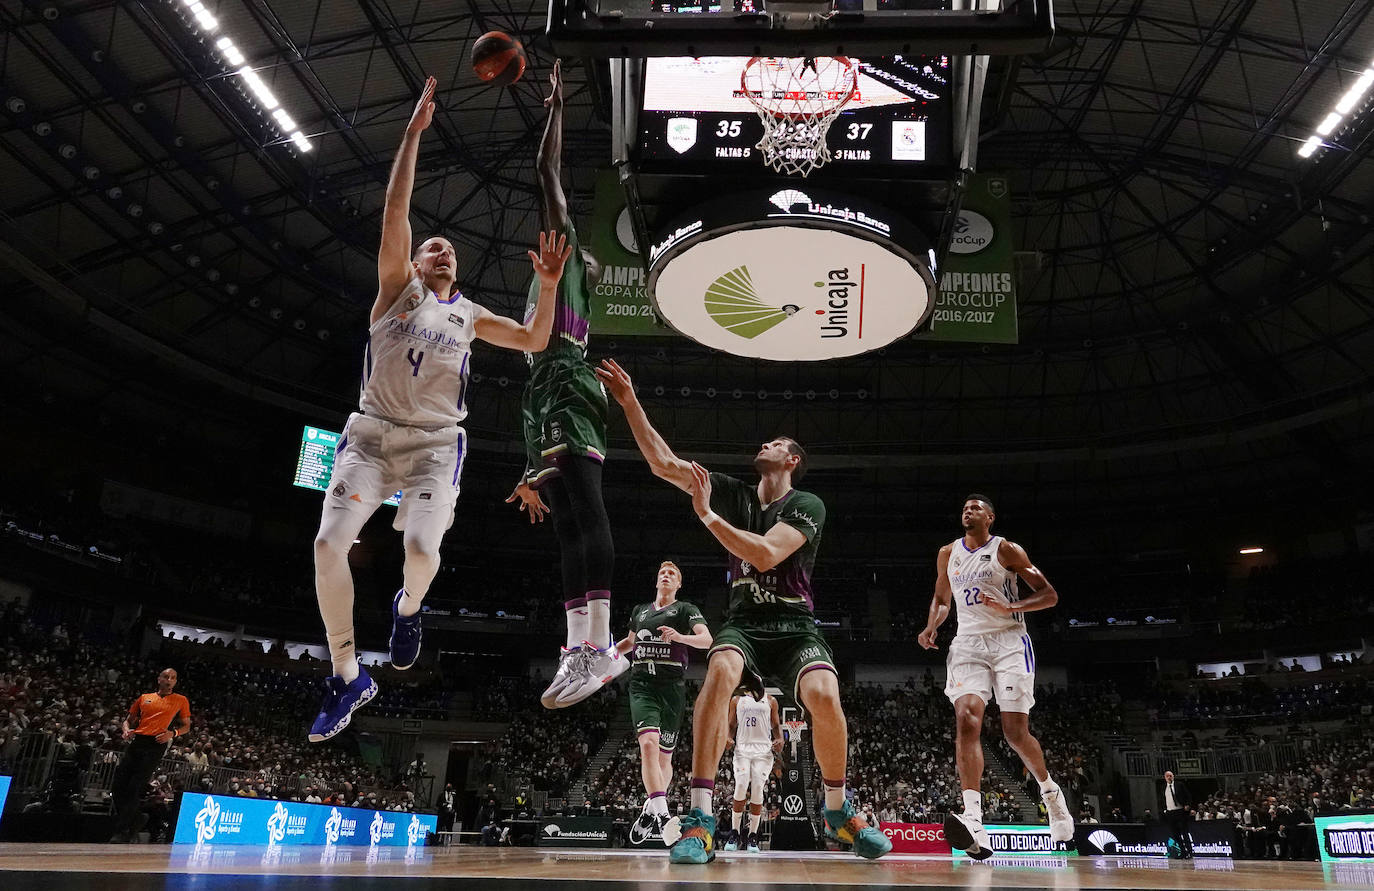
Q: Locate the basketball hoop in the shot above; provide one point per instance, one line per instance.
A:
(794, 729)
(798, 99)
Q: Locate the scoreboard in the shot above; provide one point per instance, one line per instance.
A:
(315, 461)
(695, 116)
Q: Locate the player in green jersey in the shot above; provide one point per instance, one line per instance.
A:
(772, 532)
(660, 633)
(564, 418)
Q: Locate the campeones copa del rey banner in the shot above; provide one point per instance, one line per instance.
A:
(224, 820)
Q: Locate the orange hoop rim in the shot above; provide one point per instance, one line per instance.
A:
(756, 101)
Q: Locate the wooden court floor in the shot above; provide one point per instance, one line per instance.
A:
(118, 867)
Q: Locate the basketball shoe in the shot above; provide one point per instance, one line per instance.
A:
(646, 826)
(732, 841)
(753, 846)
(847, 826)
(696, 844)
(968, 835)
(405, 635)
(593, 671)
(341, 700)
(1061, 821)
(567, 662)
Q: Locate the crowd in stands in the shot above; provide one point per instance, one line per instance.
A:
(1251, 698)
(1268, 601)
(247, 735)
(542, 749)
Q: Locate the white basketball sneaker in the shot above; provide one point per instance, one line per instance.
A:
(968, 835)
(594, 670)
(568, 660)
(1061, 821)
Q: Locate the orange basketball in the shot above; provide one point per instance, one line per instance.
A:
(498, 58)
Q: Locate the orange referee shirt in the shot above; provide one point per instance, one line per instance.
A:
(155, 712)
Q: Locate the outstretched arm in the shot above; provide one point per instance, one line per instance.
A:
(550, 159)
(1042, 596)
(393, 256)
(662, 461)
(533, 336)
(939, 604)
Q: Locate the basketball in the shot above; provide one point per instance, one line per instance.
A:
(498, 58)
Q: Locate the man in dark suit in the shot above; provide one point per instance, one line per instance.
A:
(1178, 808)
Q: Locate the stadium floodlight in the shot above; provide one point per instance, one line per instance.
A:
(235, 57)
(266, 97)
(1349, 102)
(1252, 550)
(1356, 92)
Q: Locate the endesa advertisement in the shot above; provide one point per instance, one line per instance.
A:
(225, 820)
(916, 838)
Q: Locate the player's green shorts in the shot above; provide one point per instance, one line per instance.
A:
(656, 704)
(564, 414)
(781, 649)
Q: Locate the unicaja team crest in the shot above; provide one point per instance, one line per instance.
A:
(332, 826)
(415, 832)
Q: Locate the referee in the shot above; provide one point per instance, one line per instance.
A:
(154, 720)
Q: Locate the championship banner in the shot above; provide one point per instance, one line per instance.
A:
(977, 298)
(576, 832)
(227, 820)
(1021, 840)
(1346, 838)
(1211, 838)
(916, 838)
(4, 793)
(620, 302)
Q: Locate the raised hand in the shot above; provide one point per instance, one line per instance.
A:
(423, 115)
(616, 381)
(556, 84)
(701, 490)
(553, 253)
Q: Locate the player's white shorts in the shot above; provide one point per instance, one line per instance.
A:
(375, 458)
(1000, 664)
(751, 772)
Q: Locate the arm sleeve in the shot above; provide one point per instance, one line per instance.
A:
(693, 617)
(804, 513)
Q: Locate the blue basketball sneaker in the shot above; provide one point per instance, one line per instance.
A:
(340, 701)
(696, 845)
(405, 635)
(847, 826)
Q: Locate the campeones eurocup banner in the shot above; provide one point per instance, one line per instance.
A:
(224, 820)
(1346, 838)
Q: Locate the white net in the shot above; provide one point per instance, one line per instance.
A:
(797, 99)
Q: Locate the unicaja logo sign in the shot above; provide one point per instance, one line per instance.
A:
(785, 199)
(1102, 838)
(332, 825)
(207, 820)
(374, 831)
(734, 304)
(276, 825)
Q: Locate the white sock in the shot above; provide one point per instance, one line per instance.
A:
(343, 655)
(410, 604)
(599, 621)
(1048, 784)
(578, 624)
(973, 805)
(754, 823)
(834, 795)
(701, 798)
(735, 817)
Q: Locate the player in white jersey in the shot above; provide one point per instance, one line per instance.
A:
(756, 733)
(405, 434)
(991, 656)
